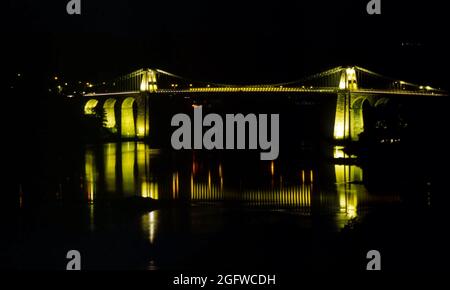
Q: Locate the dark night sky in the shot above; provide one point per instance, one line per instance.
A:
(234, 41)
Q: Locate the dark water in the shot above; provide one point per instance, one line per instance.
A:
(133, 207)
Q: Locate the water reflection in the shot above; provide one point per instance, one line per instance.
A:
(133, 169)
(349, 186)
(90, 183)
(110, 167)
(91, 179)
(128, 155)
(150, 224)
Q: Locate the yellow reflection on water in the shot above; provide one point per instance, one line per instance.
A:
(205, 191)
(149, 190)
(209, 179)
(91, 179)
(192, 183)
(175, 185)
(349, 188)
(91, 217)
(128, 157)
(348, 173)
(150, 224)
(338, 152)
(348, 204)
(110, 160)
(352, 205)
(127, 170)
(143, 161)
(279, 195)
(90, 174)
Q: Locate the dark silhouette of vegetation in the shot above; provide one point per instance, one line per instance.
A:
(93, 125)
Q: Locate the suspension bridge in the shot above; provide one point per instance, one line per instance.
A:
(130, 101)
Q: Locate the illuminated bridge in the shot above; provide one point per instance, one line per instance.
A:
(134, 102)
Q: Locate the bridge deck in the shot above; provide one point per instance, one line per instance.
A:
(278, 90)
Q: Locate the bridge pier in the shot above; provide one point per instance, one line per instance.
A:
(342, 119)
(349, 118)
(125, 115)
(349, 121)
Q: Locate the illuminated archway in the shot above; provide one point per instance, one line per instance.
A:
(357, 118)
(381, 102)
(128, 124)
(350, 116)
(110, 115)
(90, 106)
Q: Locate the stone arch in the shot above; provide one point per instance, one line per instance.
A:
(128, 120)
(387, 114)
(357, 117)
(90, 106)
(381, 102)
(110, 115)
(350, 116)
